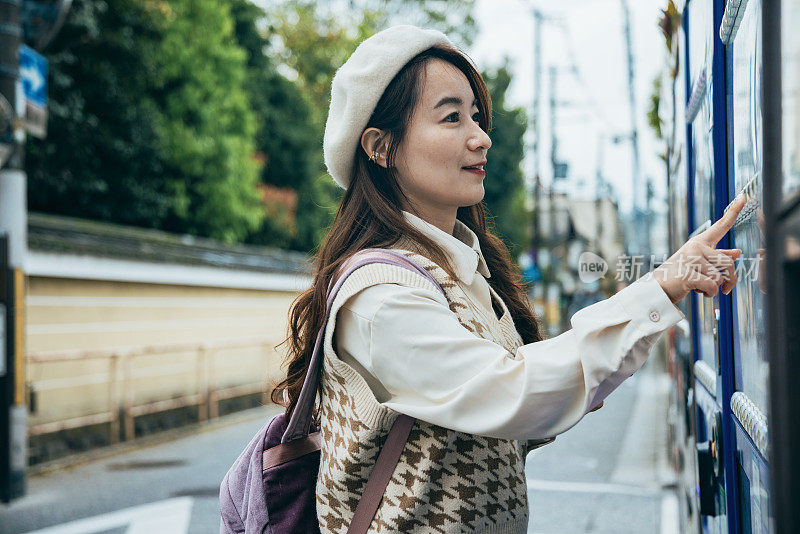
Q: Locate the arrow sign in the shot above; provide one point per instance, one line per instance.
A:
(170, 515)
(33, 74)
(33, 71)
(32, 80)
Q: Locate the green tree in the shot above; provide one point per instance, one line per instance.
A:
(102, 158)
(504, 184)
(206, 124)
(149, 120)
(285, 135)
(284, 131)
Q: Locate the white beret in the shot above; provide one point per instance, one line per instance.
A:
(360, 83)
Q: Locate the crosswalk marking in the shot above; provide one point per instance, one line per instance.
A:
(170, 515)
(591, 487)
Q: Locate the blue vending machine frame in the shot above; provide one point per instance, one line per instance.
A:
(722, 197)
(721, 89)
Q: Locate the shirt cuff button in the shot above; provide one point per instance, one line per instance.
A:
(655, 316)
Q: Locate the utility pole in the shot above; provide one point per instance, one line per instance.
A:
(599, 186)
(648, 217)
(537, 76)
(554, 163)
(13, 243)
(638, 246)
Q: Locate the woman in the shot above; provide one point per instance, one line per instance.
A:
(407, 138)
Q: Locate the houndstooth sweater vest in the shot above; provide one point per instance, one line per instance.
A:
(445, 481)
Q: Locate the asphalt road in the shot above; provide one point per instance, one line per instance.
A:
(602, 476)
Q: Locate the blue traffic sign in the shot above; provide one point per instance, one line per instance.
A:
(33, 71)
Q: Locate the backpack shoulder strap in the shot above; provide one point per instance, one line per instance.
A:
(300, 422)
(381, 474)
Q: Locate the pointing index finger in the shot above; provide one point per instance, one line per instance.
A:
(718, 230)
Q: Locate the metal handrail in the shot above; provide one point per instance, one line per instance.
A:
(141, 350)
(206, 398)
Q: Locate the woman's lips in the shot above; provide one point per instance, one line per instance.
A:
(479, 172)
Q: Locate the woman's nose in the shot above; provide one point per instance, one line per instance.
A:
(479, 139)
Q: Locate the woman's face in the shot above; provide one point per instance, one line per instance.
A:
(442, 138)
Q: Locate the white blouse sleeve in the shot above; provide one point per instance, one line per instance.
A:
(419, 360)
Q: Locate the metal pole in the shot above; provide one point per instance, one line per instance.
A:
(648, 219)
(639, 246)
(113, 397)
(552, 293)
(128, 422)
(537, 76)
(601, 141)
(553, 158)
(13, 413)
(202, 382)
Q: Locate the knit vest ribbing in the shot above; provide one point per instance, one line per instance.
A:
(446, 481)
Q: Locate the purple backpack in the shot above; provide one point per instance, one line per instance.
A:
(270, 488)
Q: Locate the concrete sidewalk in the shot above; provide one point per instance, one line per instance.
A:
(609, 474)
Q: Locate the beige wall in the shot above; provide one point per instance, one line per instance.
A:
(69, 314)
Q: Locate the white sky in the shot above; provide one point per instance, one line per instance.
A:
(595, 28)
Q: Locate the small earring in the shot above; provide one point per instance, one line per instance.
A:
(374, 156)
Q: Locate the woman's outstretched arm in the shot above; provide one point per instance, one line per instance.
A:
(419, 360)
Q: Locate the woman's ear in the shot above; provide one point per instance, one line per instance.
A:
(374, 143)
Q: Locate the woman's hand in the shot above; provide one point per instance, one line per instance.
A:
(698, 265)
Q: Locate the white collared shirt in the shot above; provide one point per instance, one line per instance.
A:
(419, 360)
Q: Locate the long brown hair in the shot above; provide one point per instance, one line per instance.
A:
(369, 216)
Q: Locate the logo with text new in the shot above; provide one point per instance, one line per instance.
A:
(591, 267)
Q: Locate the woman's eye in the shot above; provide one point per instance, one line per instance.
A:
(455, 115)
